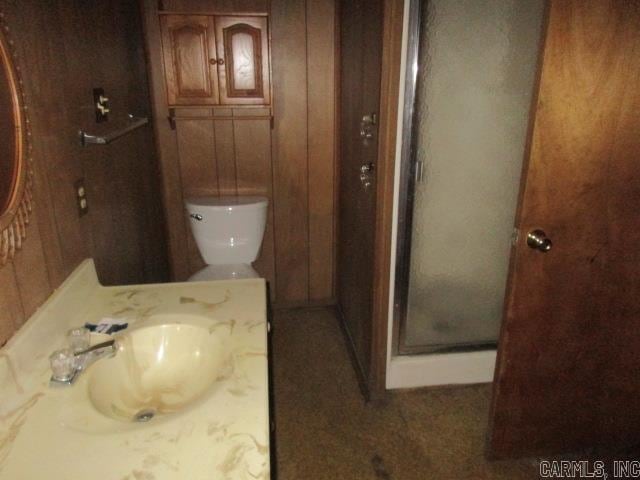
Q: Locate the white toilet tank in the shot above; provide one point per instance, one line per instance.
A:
(228, 230)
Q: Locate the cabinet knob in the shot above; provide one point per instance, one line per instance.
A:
(219, 61)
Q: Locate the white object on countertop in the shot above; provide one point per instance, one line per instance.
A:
(108, 325)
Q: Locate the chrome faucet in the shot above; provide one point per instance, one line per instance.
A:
(67, 365)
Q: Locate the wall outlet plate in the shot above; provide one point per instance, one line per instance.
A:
(81, 197)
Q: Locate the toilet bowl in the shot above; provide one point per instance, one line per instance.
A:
(228, 232)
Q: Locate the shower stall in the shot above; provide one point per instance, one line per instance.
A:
(470, 71)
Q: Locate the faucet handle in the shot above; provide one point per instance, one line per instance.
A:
(79, 338)
(109, 344)
(63, 365)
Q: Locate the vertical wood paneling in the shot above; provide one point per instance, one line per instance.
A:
(167, 146)
(253, 166)
(61, 56)
(289, 54)
(64, 164)
(151, 218)
(46, 106)
(101, 206)
(44, 213)
(11, 312)
(198, 169)
(225, 153)
(32, 278)
(321, 146)
(125, 257)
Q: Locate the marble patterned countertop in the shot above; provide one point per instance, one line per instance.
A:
(56, 434)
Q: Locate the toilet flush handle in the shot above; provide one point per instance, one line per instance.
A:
(196, 216)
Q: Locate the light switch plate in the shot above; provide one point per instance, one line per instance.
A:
(101, 105)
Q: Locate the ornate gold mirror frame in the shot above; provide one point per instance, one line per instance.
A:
(15, 216)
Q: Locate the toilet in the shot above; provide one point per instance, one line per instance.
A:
(228, 232)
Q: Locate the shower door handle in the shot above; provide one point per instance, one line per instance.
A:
(419, 171)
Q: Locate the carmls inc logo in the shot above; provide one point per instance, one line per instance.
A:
(587, 469)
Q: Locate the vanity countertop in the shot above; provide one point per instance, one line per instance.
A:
(56, 434)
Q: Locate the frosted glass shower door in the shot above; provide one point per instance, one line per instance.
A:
(477, 65)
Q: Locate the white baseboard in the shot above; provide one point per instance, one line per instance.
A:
(411, 371)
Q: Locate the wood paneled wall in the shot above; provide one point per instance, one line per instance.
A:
(65, 49)
(293, 163)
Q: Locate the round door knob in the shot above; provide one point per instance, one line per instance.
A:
(219, 61)
(538, 240)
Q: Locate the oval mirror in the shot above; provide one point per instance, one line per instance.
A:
(15, 174)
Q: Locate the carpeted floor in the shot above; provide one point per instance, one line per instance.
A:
(325, 431)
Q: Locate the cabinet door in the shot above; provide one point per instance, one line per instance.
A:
(243, 60)
(189, 48)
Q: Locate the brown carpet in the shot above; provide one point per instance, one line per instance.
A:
(326, 431)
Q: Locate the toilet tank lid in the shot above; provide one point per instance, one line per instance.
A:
(226, 201)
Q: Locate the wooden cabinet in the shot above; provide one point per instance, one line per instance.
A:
(243, 59)
(190, 64)
(216, 60)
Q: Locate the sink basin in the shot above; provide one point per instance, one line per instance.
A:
(158, 370)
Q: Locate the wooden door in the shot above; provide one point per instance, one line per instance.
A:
(243, 60)
(568, 375)
(360, 55)
(189, 50)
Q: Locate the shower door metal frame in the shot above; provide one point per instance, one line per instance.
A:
(407, 185)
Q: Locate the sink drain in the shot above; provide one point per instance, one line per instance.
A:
(144, 415)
